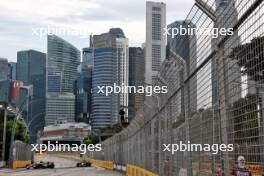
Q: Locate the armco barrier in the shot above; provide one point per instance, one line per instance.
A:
(137, 171)
(100, 163)
(19, 163)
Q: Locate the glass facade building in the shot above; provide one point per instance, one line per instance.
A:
(66, 58)
(83, 94)
(31, 71)
(136, 78)
(110, 66)
(62, 62)
(4, 83)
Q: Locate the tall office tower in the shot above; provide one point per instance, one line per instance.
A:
(110, 67)
(31, 71)
(185, 47)
(66, 58)
(83, 95)
(155, 40)
(62, 63)
(83, 86)
(12, 70)
(4, 83)
(136, 78)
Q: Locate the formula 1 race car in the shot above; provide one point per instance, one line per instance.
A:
(83, 163)
(41, 165)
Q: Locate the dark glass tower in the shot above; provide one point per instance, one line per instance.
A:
(4, 83)
(136, 78)
(31, 71)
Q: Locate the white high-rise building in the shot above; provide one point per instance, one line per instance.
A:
(123, 70)
(155, 40)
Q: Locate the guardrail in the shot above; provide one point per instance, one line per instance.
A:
(19, 164)
(100, 163)
(133, 170)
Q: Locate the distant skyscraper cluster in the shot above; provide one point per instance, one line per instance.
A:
(59, 87)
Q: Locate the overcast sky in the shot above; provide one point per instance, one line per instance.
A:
(19, 19)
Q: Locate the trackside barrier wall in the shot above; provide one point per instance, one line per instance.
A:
(137, 171)
(20, 164)
(22, 155)
(100, 163)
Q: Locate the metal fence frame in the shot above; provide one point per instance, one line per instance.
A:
(206, 102)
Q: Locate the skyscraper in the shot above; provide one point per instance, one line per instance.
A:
(136, 78)
(4, 83)
(155, 40)
(110, 66)
(83, 95)
(83, 86)
(31, 71)
(12, 70)
(62, 62)
(66, 58)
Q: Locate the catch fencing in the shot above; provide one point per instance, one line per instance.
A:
(215, 96)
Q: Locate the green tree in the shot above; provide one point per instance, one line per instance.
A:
(20, 133)
(91, 139)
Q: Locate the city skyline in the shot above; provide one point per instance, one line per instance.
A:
(87, 17)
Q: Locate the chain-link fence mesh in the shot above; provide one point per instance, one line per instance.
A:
(215, 96)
